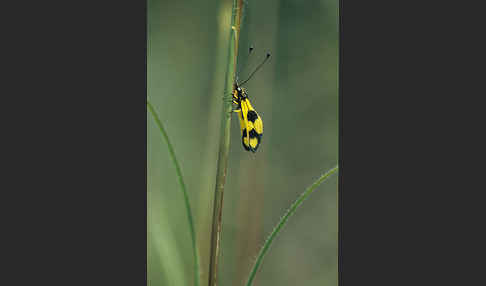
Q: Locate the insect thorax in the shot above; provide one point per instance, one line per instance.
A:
(241, 92)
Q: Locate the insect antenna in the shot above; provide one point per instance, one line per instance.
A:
(257, 68)
(242, 68)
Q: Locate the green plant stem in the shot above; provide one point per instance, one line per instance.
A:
(283, 221)
(224, 142)
(183, 188)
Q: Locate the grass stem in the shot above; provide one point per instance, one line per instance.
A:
(224, 142)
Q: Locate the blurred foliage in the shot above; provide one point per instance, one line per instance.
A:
(296, 94)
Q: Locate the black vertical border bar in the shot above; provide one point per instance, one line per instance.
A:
(409, 211)
(77, 183)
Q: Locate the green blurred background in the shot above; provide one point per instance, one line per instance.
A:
(296, 94)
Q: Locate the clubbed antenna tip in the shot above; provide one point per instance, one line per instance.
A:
(257, 68)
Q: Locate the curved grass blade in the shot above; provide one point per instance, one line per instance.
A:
(183, 188)
(283, 220)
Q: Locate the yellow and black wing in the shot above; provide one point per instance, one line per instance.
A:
(251, 126)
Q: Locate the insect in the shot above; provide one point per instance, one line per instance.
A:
(251, 123)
